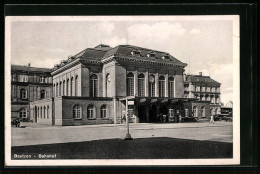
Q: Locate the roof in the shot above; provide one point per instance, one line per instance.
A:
(96, 53)
(125, 50)
(27, 68)
(201, 79)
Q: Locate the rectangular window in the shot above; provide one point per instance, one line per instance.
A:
(171, 113)
(43, 79)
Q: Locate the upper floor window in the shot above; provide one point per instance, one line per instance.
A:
(13, 77)
(141, 85)
(161, 86)
(76, 86)
(130, 84)
(43, 79)
(93, 85)
(23, 78)
(77, 112)
(103, 111)
(171, 86)
(60, 90)
(108, 85)
(151, 86)
(71, 86)
(67, 87)
(23, 113)
(23, 94)
(43, 94)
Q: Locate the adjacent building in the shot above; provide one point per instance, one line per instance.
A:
(28, 84)
(206, 90)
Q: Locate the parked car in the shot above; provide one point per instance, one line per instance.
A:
(15, 122)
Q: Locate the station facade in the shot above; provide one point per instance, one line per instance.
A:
(95, 86)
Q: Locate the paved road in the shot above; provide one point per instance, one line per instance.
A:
(34, 134)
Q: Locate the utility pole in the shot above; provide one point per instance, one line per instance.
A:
(128, 135)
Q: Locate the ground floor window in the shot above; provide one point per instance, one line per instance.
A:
(77, 111)
(171, 112)
(194, 111)
(103, 111)
(91, 112)
(186, 112)
(23, 113)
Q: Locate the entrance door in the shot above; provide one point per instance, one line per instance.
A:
(153, 114)
(142, 113)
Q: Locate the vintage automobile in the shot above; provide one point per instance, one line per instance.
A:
(15, 122)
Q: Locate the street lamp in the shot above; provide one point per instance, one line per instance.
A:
(128, 135)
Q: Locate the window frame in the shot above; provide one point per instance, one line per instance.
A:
(77, 112)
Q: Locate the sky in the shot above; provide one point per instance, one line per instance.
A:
(205, 45)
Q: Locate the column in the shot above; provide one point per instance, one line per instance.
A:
(157, 84)
(115, 109)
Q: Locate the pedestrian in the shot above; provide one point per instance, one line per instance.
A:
(211, 119)
(180, 118)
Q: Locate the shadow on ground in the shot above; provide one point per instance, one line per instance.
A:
(142, 148)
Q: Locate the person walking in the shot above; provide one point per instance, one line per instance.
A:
(211, 119)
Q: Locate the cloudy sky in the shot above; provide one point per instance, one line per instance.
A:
(205, 45)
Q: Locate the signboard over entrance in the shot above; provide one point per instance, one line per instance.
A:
(131, 102)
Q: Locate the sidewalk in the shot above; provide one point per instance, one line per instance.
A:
(137, 126)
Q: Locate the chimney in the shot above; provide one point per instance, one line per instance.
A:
(29, 64)
(200, 73)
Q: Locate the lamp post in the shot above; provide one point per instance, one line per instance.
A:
(128, 135)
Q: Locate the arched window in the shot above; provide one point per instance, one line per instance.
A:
(41, 112)
(108, 87)
(161, 86)
(141, 85)
(60, 91)
(151, 86)
(77, 112)
(38, 112)
(67, 87)
(44, 112)
(71, 86)
(76, 86)
(63, 89)
(43, 94)
(23, 94)
(48, 110)
(171, 86)
(57, 89)
(202, 111)
(186, 112)
(23, 113)
(194, 111)
(93, 85)
(171, 112)
(91, 112)
(103, 111)
(130, 84)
